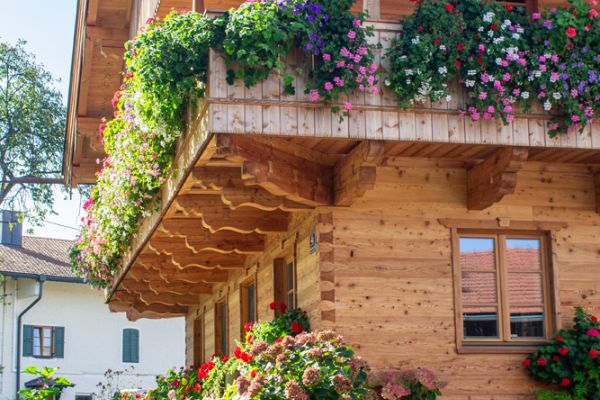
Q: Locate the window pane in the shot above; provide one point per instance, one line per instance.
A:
(479, 288)
(223, 329)
(523, 254)
(37, 350)
(525, 288)
(480, 322)
(527, 322)
(477, 253)
(251, 293)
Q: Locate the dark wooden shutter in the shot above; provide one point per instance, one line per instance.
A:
(131, 346)
(59, 342)
(27, 340)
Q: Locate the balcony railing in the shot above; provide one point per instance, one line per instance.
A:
(265, 110)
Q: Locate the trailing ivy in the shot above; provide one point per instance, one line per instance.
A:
(167, 66)
(503, 57)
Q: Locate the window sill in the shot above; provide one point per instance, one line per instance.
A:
(497, 348)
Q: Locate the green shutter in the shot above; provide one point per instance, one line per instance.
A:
(27, 340)
(131, 346)
(59, 342)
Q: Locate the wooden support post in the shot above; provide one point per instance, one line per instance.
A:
(356, 173)
(489, 181)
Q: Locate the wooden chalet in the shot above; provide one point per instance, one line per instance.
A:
(424, 238)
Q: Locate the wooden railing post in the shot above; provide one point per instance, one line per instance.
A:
(373, 7)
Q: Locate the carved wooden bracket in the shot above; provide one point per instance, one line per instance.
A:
(355, 173)
(494, 178)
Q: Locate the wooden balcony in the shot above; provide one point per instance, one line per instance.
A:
(265, 110)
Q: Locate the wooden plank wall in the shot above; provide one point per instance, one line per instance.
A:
(393, 273)
(264, 110)
(261, 267)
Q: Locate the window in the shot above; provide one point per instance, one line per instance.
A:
(131, 346)
(503, 282)
(43, 341)
(248, 304)
(221, 331)
(199, 340)
(285, 282)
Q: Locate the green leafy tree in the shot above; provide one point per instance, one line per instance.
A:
(32, 123)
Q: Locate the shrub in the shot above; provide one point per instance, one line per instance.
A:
(412, 384)
(570, 360)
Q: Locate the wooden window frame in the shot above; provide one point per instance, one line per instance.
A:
(280, 281)
(198, 349)
(550, 297)
(41, 337)
(218, 310)
(245, 306)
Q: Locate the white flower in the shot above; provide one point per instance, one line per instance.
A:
(388, 83)
(480, 29)
(525, 95)
(488, 17)
(469, 83)
(498, 61)
(547, 105)
(409, 72)
(442, 70)
(449, 98)
(556, 95)
(516, 36)
(416, 40)
(520, 30)
(442, 47)
(471, 72)
(490, 33)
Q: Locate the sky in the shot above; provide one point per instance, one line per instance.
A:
(48, 27)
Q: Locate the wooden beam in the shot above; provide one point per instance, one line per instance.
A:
(279, 172)
(92, 12)
(494, 178)
(154, 274)
(229, 184)
(356, 173)
(140, 306)
(224, 242)
(217, 217)
(162, 287)
(190, 260)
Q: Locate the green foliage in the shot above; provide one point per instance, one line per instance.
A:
(50, 385)
(570, 360)
(289, 323)
(504, 59)
(32, 124)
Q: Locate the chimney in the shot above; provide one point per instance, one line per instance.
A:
(11, 231)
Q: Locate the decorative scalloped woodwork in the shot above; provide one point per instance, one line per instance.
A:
(242, 220)
(187, 261)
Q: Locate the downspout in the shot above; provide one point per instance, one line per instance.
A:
(41, 280)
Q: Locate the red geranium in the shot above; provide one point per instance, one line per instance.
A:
(566, 382)
(274, 305)
(508, 7)
(594, 318)
(449, 7)
(248, 327)
(494, 27)
(457, 64)
(526, 362)
(593, 354)
(282, 308)
(197, 387)
(297, 327)
(559, 338)
(460, 47)
(571, 32)
(563, 351)
(542, 362)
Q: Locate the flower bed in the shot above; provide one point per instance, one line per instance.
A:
(167, 68)
(503, 57)
(570, 361)
(282, 360)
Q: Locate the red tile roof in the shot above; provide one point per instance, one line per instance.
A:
(480, 287)
(37, 256)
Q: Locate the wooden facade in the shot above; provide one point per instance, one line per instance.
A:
(363, 215)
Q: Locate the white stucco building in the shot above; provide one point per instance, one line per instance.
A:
(70, 327)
